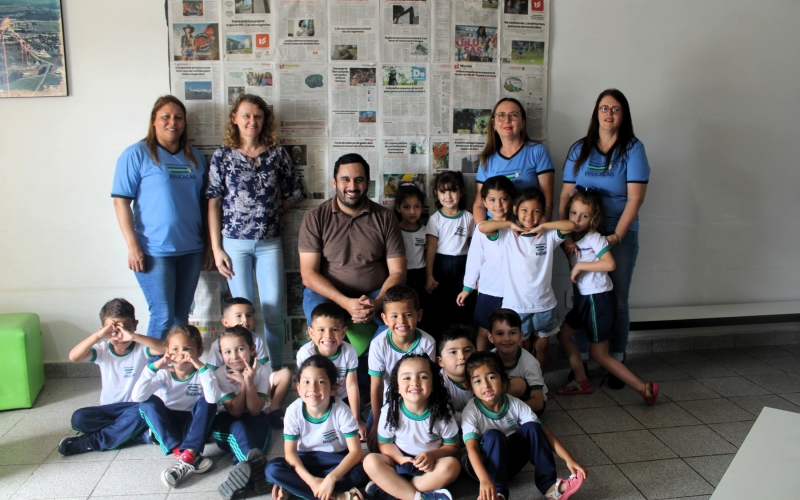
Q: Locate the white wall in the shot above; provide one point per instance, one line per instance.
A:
(711, 86)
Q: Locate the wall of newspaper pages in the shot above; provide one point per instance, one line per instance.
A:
(408, 84)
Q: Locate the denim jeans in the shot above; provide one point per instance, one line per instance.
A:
(265, 258)
(625, 254)
(168, 284)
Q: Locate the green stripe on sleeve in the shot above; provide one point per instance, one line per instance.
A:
(152, 367)
(469, 436)
(350, 434)
(603, 251)
(373, 373)
(351, 370)
(291, 437)
(262, 395)
(467, 289)
(563, 236)
(227, 397)
(148, 352)
(450, 440)
(385, 440)
(536, 387)
(263, 361)
(94, 355)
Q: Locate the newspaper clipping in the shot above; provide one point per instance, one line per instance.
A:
(440, 153)
(442, 27)
(199, 86)
(475, 31)
(406, 30)
(248, 30)
(525, 32)
(404, 161)
(354, 100)
(309, 156)
(474, 95)
(441, 82)
(354, 30)
(404, 99)
(301, 30)
(527, 85)
(303, 107)
(257, 78)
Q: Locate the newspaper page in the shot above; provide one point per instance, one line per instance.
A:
(404, 160)
(441, 82)
(309, 156)
(474, 95)
(465, 153)
(292, 220)
(194, 11)
(200, 87)
(353, 100)
(258, 78)
(406, 30)
(442, 27)
(404, 99)
(301, 31)
(367, 148)
(353, 30)
(475, 30)
(294, 317)
(248, 29)
(303, 96)
(440, 154)
(528, 85)
(195, 41)
(525, 32)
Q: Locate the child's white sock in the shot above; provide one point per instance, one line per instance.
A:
(417, 496)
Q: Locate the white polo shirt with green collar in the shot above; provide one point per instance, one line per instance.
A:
(476, 419)
(329, 433)
(413, 434)
(384, 354)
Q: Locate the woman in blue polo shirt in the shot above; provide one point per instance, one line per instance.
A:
(162, 176)
(612, 160)
(509, 151)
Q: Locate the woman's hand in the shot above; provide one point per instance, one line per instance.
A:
(136, 258)
(208, 260)
(223, 262)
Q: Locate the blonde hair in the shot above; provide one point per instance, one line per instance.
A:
(152, 141)
(268, 136)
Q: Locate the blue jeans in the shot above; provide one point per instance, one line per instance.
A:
(168, 284)
(625, 254)
(265, 257)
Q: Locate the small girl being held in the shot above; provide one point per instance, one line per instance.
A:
(502, 434)
(595, 305)
(322, 452)
(241, 426)
(417, 435)
(409, 203)
(449, 232)
(178, 397)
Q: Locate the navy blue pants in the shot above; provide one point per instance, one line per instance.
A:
(448, 270)
(109, 426)
(319, 464)
(505, 456)
(240, 435)
(185, 430)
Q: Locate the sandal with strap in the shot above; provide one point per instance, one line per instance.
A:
(353, 494)
(574, 387)
(650, 393)
(573, 484)
(280, 492)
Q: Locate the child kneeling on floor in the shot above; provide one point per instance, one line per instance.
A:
(322, 452)
(502, 434)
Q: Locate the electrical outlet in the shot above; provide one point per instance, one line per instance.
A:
(568, 298)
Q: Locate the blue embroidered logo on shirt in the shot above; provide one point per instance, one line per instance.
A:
(432, 438)
(541, 249)
(330, 437)
(420, 242)
(194, 390)
(461, 231)
(128, 373)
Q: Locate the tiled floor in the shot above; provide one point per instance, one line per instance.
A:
(678, 449)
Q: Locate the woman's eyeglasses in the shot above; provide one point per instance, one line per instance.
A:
(615, 110)
(501, 116)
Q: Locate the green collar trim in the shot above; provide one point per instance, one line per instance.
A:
(519, 355)
(320, 419)
(130, 350)
(177, 379)
(417, 338)
(338, 352)
(460, 213)
(490, 414)
(457, 384)
(414, 416)
(419, 226)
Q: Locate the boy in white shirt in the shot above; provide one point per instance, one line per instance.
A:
(121, 356)
(455, 347)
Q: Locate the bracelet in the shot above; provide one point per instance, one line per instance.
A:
(619, 238)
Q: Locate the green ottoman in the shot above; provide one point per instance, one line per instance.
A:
(21, 359)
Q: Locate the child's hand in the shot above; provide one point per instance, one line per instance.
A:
(106, 332)
(424, 462)
(461, 298)
(120, 334)
(324, 490)
(249, 372)
(430, 285)
(164, 362)
(573, 275)
(235, 377)
(362, 431)
(569, 247)
(575, 466)
(517, 230)
(487, 491)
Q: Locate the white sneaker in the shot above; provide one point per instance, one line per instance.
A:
(202, 464)
(177, 471)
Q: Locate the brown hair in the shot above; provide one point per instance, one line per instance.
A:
(594, 202)
(152, 141)
(189, 331)
(268, 136)
(493, 138)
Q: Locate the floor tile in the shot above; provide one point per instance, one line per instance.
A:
(750, 366)
(714, 411)
(673, 344)
(748, 340)
(24, 450)
(792, 348)
(560, 424)
(720, 354)
(584, 450)
(142, 452)
(606, 482)
(627, 396)
(661, 415)
(132, 477)
(775, 382)
(13, 476)
(69, 480)
(704, 369)
(664, 479)
(754, 404)
(675, 357)
(200, 495)
(609, 419)
(632, 446)
(712, 468)
(686, 390)
(57, 458)
(153, 496)
(734, 432)
(596, 399)
(694, 441)
(789, 364)
(768, 351)
(658, 373)
(733, 386)
(9, 419)
(708, 342)
(793, 398)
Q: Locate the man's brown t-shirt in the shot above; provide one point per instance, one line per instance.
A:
(354, 249)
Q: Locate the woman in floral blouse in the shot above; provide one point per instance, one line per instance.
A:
(250, 179)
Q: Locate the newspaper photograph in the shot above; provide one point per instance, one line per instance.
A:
(404, 160)
(474, 95)
(442, 27)
(200, 87)
(303, 99)
(248, 31)
(366, 147)
(441, 82)
(406, 30)
(440, 154)
(309, 156)
(257, 78)
(392, 181)
(353, 30)
(353, 100)
(528, 85)
(301, 32)
(189, 11)
(465, 153)
(525, 31)
(475, 43)
(404, 99)
(195, 41)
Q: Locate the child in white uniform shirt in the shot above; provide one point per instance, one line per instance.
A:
(409, 204)
(241, 425)
(595, 304)
(178, 397)
(502, 434)
(322, 453)
(455, 347)
(121, 356)
(418, 436)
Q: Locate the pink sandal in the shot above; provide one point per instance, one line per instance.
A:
(573, 484)
(650, 393)
(574, 387)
